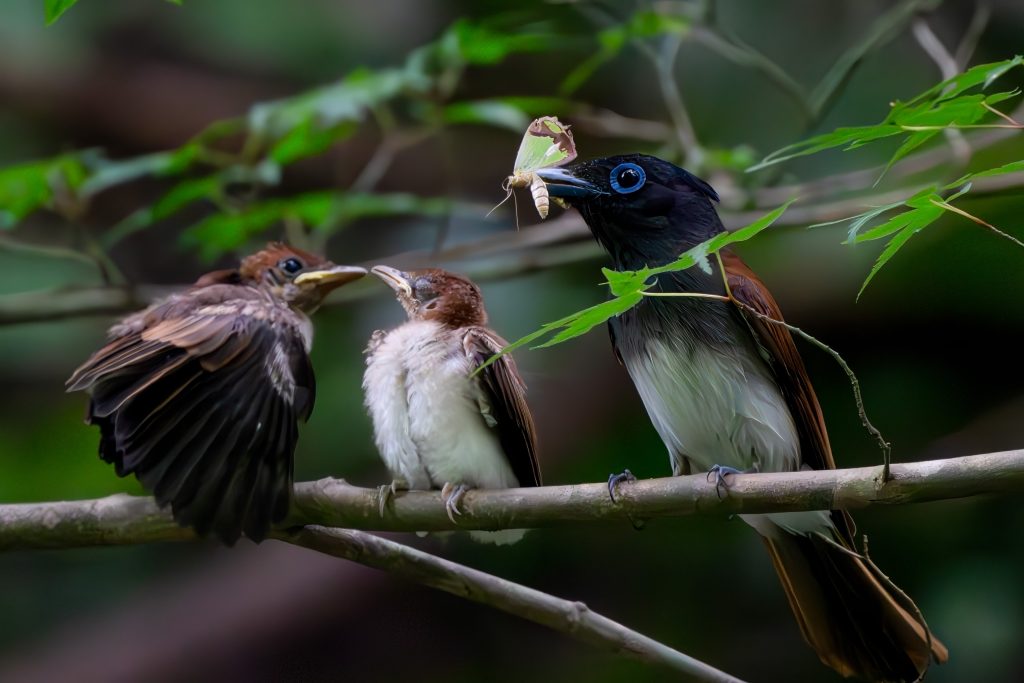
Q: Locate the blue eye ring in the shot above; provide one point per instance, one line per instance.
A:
(626, 178)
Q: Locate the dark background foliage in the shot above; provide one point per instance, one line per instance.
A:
(935, 338)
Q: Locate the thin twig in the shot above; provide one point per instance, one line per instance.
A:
(969, 42)
(573, 618)
(123, 519)
(949, 207)
(13, 245)
(884, 445)
(948, 68)
(729, 46)
(664, 63)
(885, 28)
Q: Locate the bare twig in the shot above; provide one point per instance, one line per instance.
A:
(971, 217)
(664, 62)
(122, 519)
(884, 445)
(572, 618)
(729, 46)
(934, 48)
(969, 41)
(885, 28)
(8, 243)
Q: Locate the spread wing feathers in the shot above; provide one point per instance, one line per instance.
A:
(204, 410)
(505, 399)
(784, 359)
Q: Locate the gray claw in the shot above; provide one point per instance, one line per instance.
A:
(453, 495)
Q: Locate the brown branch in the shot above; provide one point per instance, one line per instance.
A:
(123, 519)
(572, 618)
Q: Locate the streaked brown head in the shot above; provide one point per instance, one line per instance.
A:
(297, 277)
(435, 294)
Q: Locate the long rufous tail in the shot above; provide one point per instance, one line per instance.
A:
(857, 621)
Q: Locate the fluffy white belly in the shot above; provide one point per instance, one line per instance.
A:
(715, 409)
(711, 408)
(426, 412)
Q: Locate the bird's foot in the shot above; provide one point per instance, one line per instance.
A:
(386, 492)
(453, 495)
(615, 479)
(719, 472)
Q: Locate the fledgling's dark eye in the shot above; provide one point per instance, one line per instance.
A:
(290, 265)
(626, 178)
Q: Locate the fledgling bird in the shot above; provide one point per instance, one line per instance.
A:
(728, 392)
(199, 395)
(435, 425)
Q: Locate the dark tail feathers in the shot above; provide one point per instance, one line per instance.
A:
(850, 613)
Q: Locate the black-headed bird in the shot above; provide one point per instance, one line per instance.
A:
(436, 424)
(199, 395)
(728, 392)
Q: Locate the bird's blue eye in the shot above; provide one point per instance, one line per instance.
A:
(290, 265)
(626, 178)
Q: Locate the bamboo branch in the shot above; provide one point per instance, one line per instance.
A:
(123, 519)
(572, 618)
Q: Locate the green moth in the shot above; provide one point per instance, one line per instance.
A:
(547, 142)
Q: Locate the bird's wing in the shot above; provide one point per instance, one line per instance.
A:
(785, 361)
(202, 405)
(505, 395)
(780, 351)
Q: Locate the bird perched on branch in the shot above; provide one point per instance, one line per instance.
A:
(436, 425)
(199, 395)
(728, 392)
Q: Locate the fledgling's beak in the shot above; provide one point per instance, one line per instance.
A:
(564, 184)
(327, 279)
(394, 278)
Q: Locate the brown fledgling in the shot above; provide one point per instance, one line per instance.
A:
(436, 424)
(199, 395)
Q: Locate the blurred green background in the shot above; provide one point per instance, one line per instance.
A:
(932, 339)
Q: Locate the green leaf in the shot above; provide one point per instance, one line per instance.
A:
(308, 139)
(1012, 167)
(941, 106)
(107, 173)
(26, 188)
(55, 8)
(490, 112)
(700, 253)
(982, 74)
(850, 137)
(185, 193)
(325, 210)
(482, 45)
(627, 288)
(890, 250)
(587, 319)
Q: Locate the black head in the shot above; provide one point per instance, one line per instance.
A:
(642, 209)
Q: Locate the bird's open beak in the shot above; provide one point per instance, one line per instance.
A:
(393, 278)
(563, 184)
(327, 279)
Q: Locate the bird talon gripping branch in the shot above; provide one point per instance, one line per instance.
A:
(434, 419)
(719, 386)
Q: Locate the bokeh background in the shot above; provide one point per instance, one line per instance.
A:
(935, 338)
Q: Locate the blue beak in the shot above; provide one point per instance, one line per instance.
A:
(564, 185)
